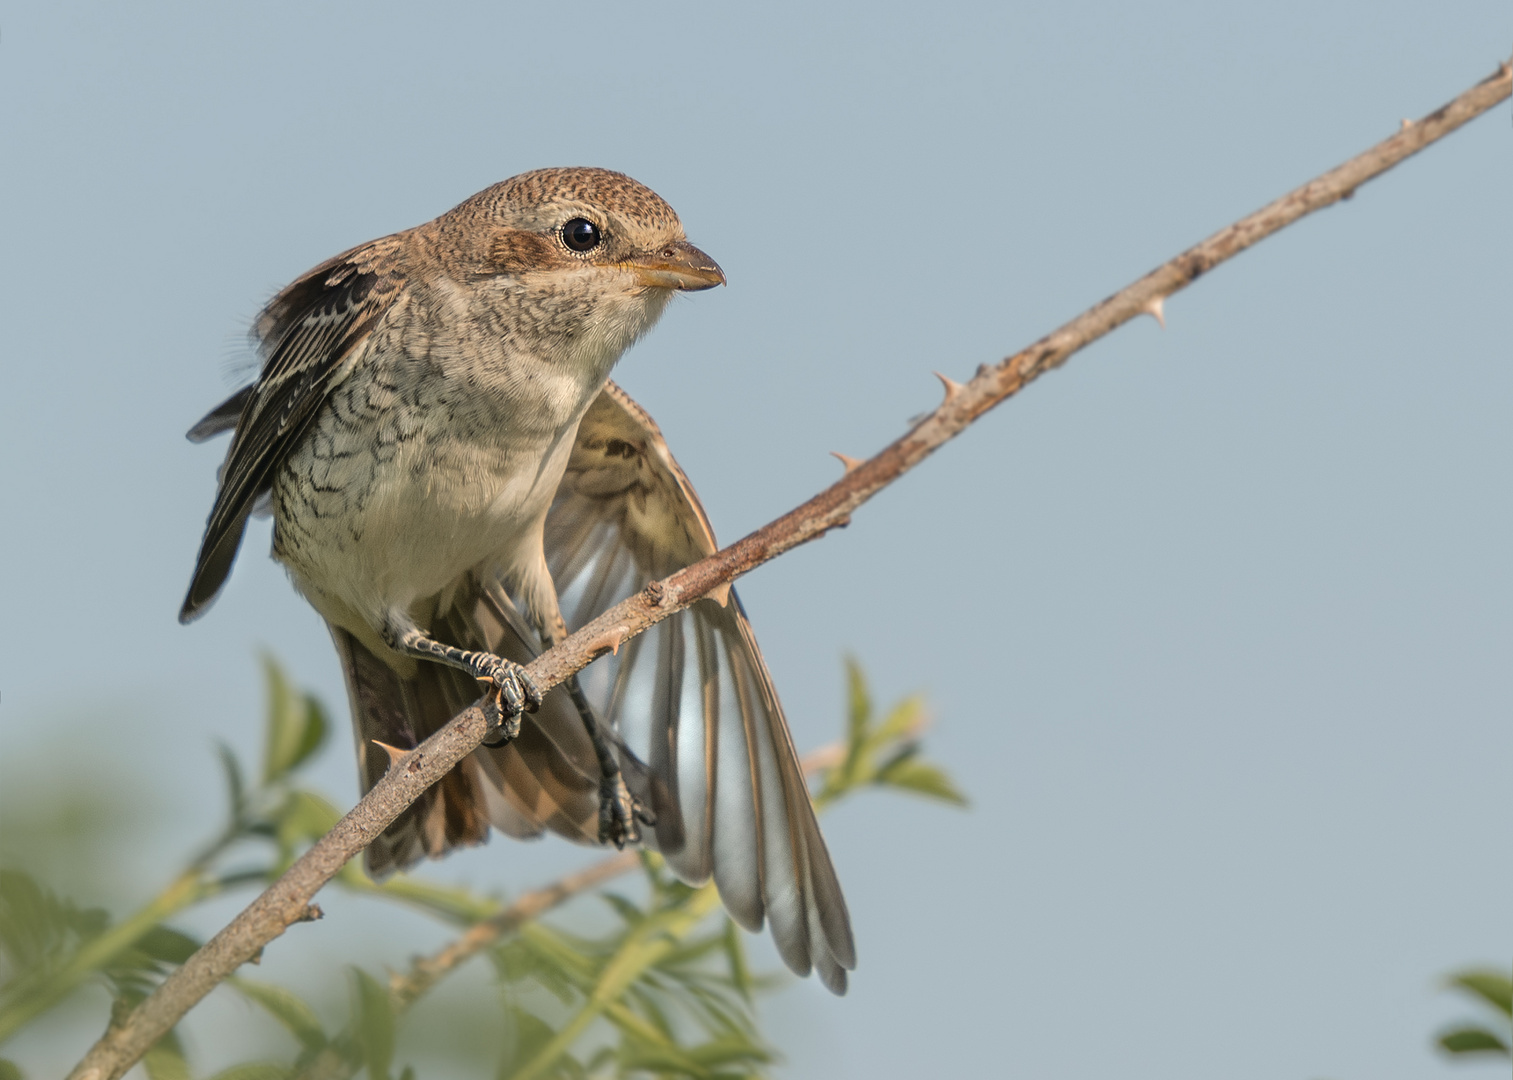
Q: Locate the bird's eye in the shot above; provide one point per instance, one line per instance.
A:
(581, 234)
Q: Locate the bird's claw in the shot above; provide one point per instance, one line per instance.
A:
(621, 814)
(503, 727)
(514, 692)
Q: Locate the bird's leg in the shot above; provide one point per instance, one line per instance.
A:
(514, 692)
(621, 814)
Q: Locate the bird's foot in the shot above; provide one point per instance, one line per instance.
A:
(514, 692)
(621, 814)
(503, 728)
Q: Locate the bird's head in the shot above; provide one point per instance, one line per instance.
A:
(591, 255)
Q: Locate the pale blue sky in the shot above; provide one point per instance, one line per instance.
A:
(1216, 621)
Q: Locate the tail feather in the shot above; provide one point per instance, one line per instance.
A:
(546, 778)
(387, 709)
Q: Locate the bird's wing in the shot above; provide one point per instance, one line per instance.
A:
(308, 336)
(692, 696)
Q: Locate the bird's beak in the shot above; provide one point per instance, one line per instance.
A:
(679, 266)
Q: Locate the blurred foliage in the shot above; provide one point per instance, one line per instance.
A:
(666, 991)
(1493, 989)
(883, 752)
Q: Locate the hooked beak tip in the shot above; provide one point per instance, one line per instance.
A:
(679, 266)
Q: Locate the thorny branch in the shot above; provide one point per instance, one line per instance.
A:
(287, 900)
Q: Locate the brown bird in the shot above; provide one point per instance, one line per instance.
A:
(455, 484)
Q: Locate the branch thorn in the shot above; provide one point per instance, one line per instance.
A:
(1155, 307)
(952, 387)
(396, 755)
(611, 639)
(847, 460)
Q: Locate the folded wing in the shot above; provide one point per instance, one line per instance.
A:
(307, 335)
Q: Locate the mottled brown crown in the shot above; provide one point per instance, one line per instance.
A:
(614, 192)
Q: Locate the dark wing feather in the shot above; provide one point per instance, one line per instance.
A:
(307, 334)
(692, 697)
(221, 418)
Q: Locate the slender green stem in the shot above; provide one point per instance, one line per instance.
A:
(626, 1020)
(642, 949)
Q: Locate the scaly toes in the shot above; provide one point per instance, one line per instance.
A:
(513, 693)
(528, 689)
(517, 690)
(513, 690)
(503, 727)
(618, 817)
(643, 813)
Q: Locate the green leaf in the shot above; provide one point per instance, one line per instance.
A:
(625, 908)
(517, 961)
(1493, 987)
(247, 876)
(236, 785)
(908, 772)
(287, 1007)
(255, 1070)
(296, 727)
(691, 952)
(722, 1022)
(166, 945)
(9, 1070)
(452, 902)
(525, 1034)
(735, 956)
(375, 1024)
(664, 1061)
(904, 720)
(858, 720)
(165, 1061)
(279, 732)
(33, 922)
(303, 816)
(317, 727)
(1472, 1040)
(729, 1051)
(38, 927)
(656, 1027)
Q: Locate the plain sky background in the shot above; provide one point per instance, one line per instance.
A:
(1216, 622)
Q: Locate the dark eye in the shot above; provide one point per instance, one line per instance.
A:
(581, 234)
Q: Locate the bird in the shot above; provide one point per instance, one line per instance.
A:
(455, 484)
